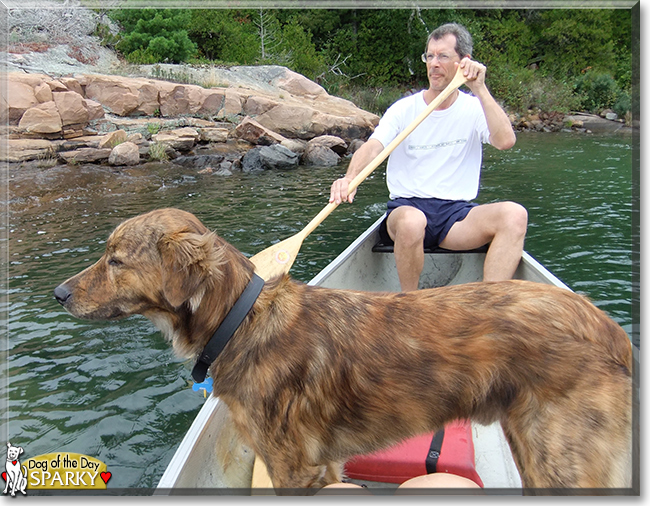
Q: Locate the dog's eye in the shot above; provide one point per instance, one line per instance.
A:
(114, 262)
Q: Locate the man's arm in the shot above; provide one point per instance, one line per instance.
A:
(502, 136)
(361, 158)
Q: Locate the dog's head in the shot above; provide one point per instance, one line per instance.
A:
(161, 265)
(13, 452)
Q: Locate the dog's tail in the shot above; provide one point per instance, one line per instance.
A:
(595, 325)
(616, 342)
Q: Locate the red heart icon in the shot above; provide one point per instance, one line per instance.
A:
(106, 476)
(4, 476)
(14, 462)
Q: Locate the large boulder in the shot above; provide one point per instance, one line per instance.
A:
(200, 162)
(41, 119)
(127, 153)
(306, 122)
(213, 101)
(258, 104)
(113, 94)
(112, 139)
(321, 156)
(233, 104)
(72, 109)
(43, 93)
(22, 150)
(278, 157)
(20, 97)
(291, 121)
(213, 134)
(299, 85)
(72, 84)
(332, 142)
(85, 155)
(182, 139)
(251, 131)
(173, 99)
(187, 99)
(269, 158)
(123, 95)
(95, 109)
(252, 162)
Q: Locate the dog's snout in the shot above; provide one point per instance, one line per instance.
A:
(62, 294)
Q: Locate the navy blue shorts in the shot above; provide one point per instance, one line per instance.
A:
(441, 216)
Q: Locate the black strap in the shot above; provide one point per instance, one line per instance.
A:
(434, 451)
(228, 326)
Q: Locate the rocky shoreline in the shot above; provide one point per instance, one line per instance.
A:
(94, 118)
(254, 118)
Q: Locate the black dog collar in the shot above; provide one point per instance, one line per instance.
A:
(228, 326)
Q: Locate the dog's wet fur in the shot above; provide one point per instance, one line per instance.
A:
(315, 376)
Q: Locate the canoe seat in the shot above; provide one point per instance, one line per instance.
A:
(387, 247)
(450, 450)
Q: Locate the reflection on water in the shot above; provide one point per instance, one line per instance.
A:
(116, 392)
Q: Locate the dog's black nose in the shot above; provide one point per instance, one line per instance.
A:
(62, 294)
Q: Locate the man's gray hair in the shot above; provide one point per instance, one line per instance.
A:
(464, 44)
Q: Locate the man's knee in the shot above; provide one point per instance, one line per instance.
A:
(407, 224)
(515, 218)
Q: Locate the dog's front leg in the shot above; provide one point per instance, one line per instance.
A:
(291, 477)
(306, 481)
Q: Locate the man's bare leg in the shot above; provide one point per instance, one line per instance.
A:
(503, 225)
(406, 226)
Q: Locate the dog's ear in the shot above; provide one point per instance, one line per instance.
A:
(186, 263)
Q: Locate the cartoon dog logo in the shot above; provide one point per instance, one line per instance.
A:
(15, 476)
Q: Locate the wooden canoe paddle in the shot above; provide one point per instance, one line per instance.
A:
(278, 259)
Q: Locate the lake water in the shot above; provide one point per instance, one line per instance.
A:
(116, 392)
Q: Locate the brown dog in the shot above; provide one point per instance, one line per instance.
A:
(314, 376)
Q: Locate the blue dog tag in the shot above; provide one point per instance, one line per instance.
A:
(206, 386)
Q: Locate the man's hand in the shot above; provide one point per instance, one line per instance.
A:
(339, 191)
(475, 74)
(361, 158)
(502, 136)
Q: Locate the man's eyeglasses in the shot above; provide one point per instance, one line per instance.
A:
(442, 57)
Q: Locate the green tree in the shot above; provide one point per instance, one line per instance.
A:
(155, 35)
(224, 35)
(572, 41)
(300, 52)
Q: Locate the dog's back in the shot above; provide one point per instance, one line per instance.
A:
(544, 361)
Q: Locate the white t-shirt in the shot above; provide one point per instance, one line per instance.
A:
(442, 157)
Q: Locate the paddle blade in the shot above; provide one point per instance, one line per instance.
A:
(261, 478)
(276, 260)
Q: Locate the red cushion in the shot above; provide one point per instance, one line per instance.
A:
(407, 459)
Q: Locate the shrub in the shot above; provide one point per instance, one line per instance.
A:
(623, 105)
(597, 91)
(521, 89)
(158, 152)
(153, 128)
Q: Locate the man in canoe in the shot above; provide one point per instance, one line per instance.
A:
(433, 175)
